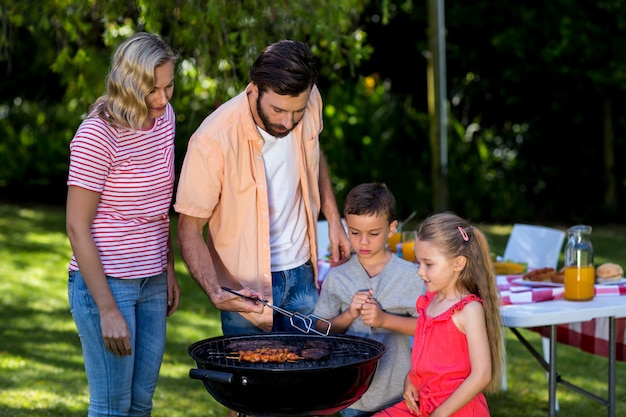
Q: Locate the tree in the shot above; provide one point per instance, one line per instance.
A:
(55, 56)
(533, 89)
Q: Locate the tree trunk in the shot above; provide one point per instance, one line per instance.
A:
(610, 197)
(437, 111)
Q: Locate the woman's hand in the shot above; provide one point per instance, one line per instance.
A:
(115, 332)
(173, 291)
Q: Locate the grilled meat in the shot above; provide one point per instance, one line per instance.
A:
(315, 354)
(252, 344)
(267, 355)
(318, 344)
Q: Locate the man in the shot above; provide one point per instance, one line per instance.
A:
(254, 173)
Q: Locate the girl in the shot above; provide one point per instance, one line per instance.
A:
(458, 349)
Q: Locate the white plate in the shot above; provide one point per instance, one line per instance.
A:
(619, 281)
(539, 284)
(529, 283)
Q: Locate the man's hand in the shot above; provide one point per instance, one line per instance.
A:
(340, 244)
(228, 301)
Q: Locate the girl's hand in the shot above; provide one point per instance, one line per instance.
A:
(411, 396)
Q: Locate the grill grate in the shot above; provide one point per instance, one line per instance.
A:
(345, 350)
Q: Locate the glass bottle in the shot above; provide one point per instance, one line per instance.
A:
(579, 269)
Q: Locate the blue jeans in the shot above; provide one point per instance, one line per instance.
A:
(122, 386)
(349, 412)
(294, 290)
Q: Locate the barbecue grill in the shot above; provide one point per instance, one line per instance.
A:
(294, 388)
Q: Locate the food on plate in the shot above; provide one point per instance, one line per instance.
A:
(265, 355)
(609, 272)
(509, 268)
(545, 275)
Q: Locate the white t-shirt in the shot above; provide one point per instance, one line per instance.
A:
(288, 227)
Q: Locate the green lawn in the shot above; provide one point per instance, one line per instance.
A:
(41, 371)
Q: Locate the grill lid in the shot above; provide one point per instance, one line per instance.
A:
(345, 350)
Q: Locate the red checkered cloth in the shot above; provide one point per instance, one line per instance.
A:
(514, 293)
(589, 336)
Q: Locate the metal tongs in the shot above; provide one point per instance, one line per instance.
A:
(305, 324)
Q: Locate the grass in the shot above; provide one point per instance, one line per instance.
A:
(41, 368)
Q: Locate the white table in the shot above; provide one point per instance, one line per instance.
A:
(552, 313)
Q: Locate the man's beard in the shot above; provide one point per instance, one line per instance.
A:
(269, 127)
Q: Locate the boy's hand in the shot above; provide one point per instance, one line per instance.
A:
(372, 314)
(358, 301)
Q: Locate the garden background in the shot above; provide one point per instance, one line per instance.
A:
(535, 134)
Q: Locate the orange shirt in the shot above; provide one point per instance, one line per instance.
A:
(223, 179)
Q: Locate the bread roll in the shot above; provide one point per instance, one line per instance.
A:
(609, 272)
(557, 277)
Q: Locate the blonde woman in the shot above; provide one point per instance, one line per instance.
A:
(122, 283)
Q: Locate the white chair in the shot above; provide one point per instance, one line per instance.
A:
(323, 242)
(323, 247)
(539, 247)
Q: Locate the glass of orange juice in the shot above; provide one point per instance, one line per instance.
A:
(393, 241)
(408, 245)
(579, 282)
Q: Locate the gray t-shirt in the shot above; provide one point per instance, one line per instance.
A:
(396, 289)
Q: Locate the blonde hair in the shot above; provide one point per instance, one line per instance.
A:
(454, 236)
(131, 79)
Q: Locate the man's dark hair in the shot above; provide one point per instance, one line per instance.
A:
(286, 67)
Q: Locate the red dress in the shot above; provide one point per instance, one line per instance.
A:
(440, 363)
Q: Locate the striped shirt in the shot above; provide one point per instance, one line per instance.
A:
(134, 173)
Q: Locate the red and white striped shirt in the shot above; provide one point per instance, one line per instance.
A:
(134, 173)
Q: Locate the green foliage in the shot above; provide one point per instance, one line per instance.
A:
(371, 136)
(57, 54)
(532, 89)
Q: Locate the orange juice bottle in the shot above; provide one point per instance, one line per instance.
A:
(408, 245)
(579, 269)
(579, 283)
(408, 250)
(393, 241)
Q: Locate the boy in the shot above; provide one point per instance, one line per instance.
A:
(373, 294)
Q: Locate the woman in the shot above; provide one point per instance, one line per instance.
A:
(122, 283)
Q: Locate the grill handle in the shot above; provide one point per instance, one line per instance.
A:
(212, 376)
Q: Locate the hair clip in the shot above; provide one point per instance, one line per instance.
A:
(463, 233)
